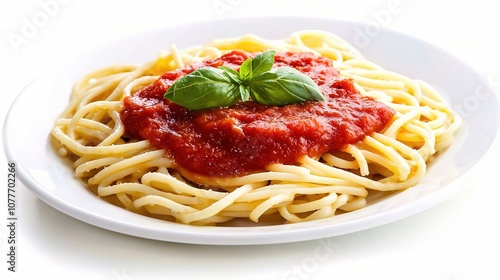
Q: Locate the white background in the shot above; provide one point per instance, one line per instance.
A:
(456, 240)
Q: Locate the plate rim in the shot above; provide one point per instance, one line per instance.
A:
(245, 238)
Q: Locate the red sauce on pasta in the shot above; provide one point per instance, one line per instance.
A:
(247, 137)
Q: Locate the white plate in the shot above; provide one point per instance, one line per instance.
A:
(32, 115)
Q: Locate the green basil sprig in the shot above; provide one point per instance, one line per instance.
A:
(211, 87)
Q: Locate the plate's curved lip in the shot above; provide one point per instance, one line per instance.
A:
(232, 236)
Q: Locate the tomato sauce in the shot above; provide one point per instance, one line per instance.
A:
(247, 137)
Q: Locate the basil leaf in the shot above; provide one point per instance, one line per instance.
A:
(261, 63)
(282, 86)
(235, 76)
(232, 74)
(211, 87)
(246, 70)
(205, 88)
(244, 93)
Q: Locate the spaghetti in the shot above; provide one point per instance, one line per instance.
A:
(133, 174)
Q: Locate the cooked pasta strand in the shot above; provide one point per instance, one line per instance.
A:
(146, 181)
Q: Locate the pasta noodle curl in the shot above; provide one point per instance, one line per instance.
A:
(132, 174)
